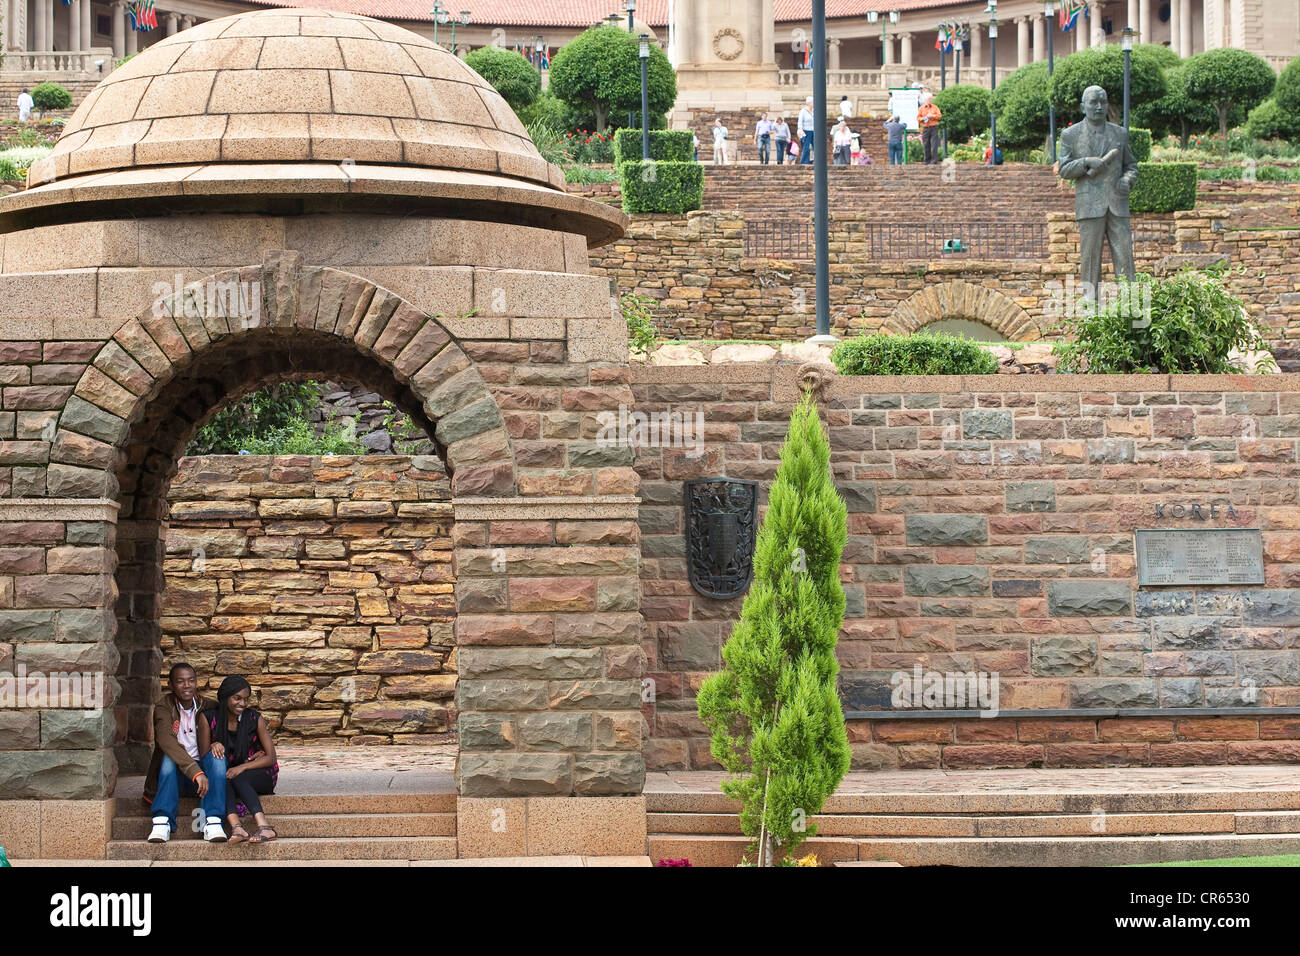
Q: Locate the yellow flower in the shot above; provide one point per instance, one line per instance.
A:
(809, 860)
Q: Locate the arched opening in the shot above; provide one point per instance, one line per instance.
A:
(965, 328)
(976, 307)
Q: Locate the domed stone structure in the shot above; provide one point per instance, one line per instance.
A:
(292, 194)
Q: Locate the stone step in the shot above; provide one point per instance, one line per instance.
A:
(312, 848)
(906, 825)
(989, 851)
(319, 803)
(994, 803)
(315, 825)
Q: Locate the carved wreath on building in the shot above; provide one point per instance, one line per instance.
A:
(728, 43)
(721, 528)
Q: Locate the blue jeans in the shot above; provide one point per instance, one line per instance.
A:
(895, 154)
(806, 150)
(171, 787)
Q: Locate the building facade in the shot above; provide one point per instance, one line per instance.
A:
(731, 54)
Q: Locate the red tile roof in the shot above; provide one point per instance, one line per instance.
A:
(584, 13)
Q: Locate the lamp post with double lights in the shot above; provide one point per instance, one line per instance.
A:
(438, 13)
(873, 16)
(1127, 43)
(644, 53)
(539, 47)
(1049, 12)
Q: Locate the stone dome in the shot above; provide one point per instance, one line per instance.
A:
(293, 86)
(258, 107)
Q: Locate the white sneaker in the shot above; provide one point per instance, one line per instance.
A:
(214, 832)
(162, 831)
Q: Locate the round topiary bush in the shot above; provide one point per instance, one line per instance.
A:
(965, 110)
(1269, 121)
(1226, 79)
(509, 73)
(1104, 66)
(1287, 90)
(1021, 103)
(51, 96)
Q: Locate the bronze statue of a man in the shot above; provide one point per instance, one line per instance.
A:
(1097, 156)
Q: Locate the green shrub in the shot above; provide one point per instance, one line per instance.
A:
(1139, 141)
(1227, 78)
(1268, 121)
(299, 438)
(1104, 66)
(10, 173)
(547, 108)
(1022, 107)
(599, 72)
(1192, 325)
(965, 110)
(774, 715)
(271, 409)
(509, 73)
(51, 96)
(551, 142)
(670, 145)
(588, 147)
(1164, 187)
(1174, 113)
(921, 353)
(1287, 90)
(661, 187)
(641, 332)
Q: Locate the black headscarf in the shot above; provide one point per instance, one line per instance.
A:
(236, 750)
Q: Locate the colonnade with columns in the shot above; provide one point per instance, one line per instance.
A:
(49, 42)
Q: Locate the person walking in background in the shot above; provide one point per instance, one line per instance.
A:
(842, 137)
(25, 105)
(846, 107)
(719, 143)
(763, 137)
(896, 131)
(781, 133)
(807, 124)
(695, 145)
(929, 116)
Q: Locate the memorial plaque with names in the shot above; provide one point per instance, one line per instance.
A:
(1200, 556)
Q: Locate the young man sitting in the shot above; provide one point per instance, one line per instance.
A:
(175, 769)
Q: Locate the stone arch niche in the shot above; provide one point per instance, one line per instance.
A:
(399, 230)
(959, 299)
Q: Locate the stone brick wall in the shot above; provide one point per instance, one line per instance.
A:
(327, 582)
(991, 530)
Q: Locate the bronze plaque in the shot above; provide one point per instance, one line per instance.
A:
(1200, 556)
(721, 528)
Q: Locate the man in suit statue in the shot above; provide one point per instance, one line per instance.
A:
(1096, 154)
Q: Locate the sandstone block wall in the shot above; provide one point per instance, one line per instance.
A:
(991, 530)
(327, 582)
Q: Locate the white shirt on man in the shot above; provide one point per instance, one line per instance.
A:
(25, 105)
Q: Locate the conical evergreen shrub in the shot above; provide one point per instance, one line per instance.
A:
(774, 712)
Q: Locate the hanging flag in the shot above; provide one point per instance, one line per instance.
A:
(943, 42)
(546, 58)
(1070, 10)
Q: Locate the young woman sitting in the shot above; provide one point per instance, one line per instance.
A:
(239, 733)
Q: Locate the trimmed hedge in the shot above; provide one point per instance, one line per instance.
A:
(661, 186)
(1140, 141)
(1164, 187)
(666, 145)
(50, 96)
(922, 353)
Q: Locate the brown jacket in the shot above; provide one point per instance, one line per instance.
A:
(166, 719)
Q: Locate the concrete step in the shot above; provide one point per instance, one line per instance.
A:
(312, 848)
(995, 803)
(315, 825)
(301, 803)
(991, 851)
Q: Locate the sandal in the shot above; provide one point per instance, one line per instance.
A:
(238, 835)
(264, 839)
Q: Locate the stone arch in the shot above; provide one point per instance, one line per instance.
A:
(167, 371)
(959, 299)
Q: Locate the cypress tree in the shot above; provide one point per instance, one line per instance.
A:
(774, 711)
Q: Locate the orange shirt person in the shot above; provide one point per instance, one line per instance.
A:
(928, 116)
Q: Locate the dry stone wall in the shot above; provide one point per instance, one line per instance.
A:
(327, 582)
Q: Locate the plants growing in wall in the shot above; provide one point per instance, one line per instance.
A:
(641, 334)
(921, 353)
(774, 712)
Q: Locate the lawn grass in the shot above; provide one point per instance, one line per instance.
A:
(1287, 859)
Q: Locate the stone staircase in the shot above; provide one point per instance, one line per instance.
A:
(11, 86)
(311, 826)
(983, 826)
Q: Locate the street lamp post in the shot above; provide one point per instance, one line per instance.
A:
(1127, 41)
(462, 20)
(993, 72)
(539, 46)
(1049, 13)
(645, 96)
(956, 62)
(439, 12)
(630, 7)
(891, 17)
(821, 178)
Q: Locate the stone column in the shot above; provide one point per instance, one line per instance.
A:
(1144, 21)
(1175, 27)
(1080, 34)
(172, 23)
(833, 54)
(1041, 26)
(119, 30)
(976, 46)
(1097, 33)
(1133, 15)
(1022, 41)
(74, 29)
(41, 39)
(187, 21)
(87, 30)
(906, 41)
(1187, 42)
(16, 26)
(132, 42)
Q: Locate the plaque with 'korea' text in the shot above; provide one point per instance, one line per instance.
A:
(1200, 556)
